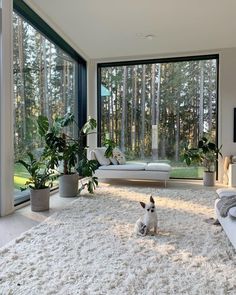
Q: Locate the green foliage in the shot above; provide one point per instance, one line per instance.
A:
(86, 168)
(41, 176)
(43, 125)
(206, 154)
(110, 145)
(90, 125)
(61, 147)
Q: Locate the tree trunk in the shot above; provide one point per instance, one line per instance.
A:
(21, 76)
(45, 82)
(143, 113)
(210, 99)
(123, 117)
(177, 132)
(153, 114)
(158, 108)
(201, 99)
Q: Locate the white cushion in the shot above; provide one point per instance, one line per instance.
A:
(158, 167)
(119, 156)
(99, 154)
(113, 161)
(130, 167)
(232, 212)
(222, 192)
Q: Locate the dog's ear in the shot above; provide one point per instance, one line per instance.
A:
(152, 200)
(142, 204)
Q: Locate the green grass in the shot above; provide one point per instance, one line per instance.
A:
(20, 176)
(186, 172)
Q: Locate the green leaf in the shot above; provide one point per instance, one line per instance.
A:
(89, 126)
(67, 120)
(188, 161)
(43, 125)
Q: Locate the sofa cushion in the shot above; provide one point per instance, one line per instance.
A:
(232, 212)
(130, 167)
(113, 161)
(224, 192)
(158, 167)
(119, 156)
(99, 154)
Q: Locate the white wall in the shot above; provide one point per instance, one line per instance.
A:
(227, 102)
(227, 95)
(92, 99)
(6, 110)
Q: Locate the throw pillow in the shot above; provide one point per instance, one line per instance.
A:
(99, 154)
(224, 193)
(232, 212)
(113, 161)
(119, 156)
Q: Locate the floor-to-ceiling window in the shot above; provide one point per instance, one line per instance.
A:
(46, 81)
(153, 109)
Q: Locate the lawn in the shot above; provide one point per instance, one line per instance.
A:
(187, 172)
(20, 176)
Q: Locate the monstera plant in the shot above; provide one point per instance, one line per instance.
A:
(69, 152)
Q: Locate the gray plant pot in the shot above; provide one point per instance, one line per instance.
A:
(68, 185)
(209, 178)
(39, 199)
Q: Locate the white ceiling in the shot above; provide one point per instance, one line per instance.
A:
(111, 29)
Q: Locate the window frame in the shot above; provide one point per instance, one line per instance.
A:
(24, 11)
(40, 25)
(151, 61)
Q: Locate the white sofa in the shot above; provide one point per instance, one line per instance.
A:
(137, 171)
(228, 223)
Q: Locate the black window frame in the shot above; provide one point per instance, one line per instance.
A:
(151, 61)
(40, 25)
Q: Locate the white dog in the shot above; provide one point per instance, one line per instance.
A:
(148, 221)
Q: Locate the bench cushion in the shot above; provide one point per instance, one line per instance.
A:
(158, 167)
(130, 167)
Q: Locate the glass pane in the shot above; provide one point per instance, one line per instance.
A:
(153, 111)
(44, 83)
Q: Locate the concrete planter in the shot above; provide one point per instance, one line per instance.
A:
(39, 199)
(68, 185)
(209, 178)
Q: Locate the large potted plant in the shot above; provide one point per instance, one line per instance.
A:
(40, 180)
(67, 150)
(205, 154)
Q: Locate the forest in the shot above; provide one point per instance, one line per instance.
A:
(152, 111)
(44, 83)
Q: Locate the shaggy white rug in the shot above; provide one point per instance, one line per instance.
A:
(89, 248)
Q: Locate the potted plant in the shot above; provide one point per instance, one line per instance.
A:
(41, 177)
(86, 169)
(205, 154)
(66, 149)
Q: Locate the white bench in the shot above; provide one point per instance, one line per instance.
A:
(137, 171)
